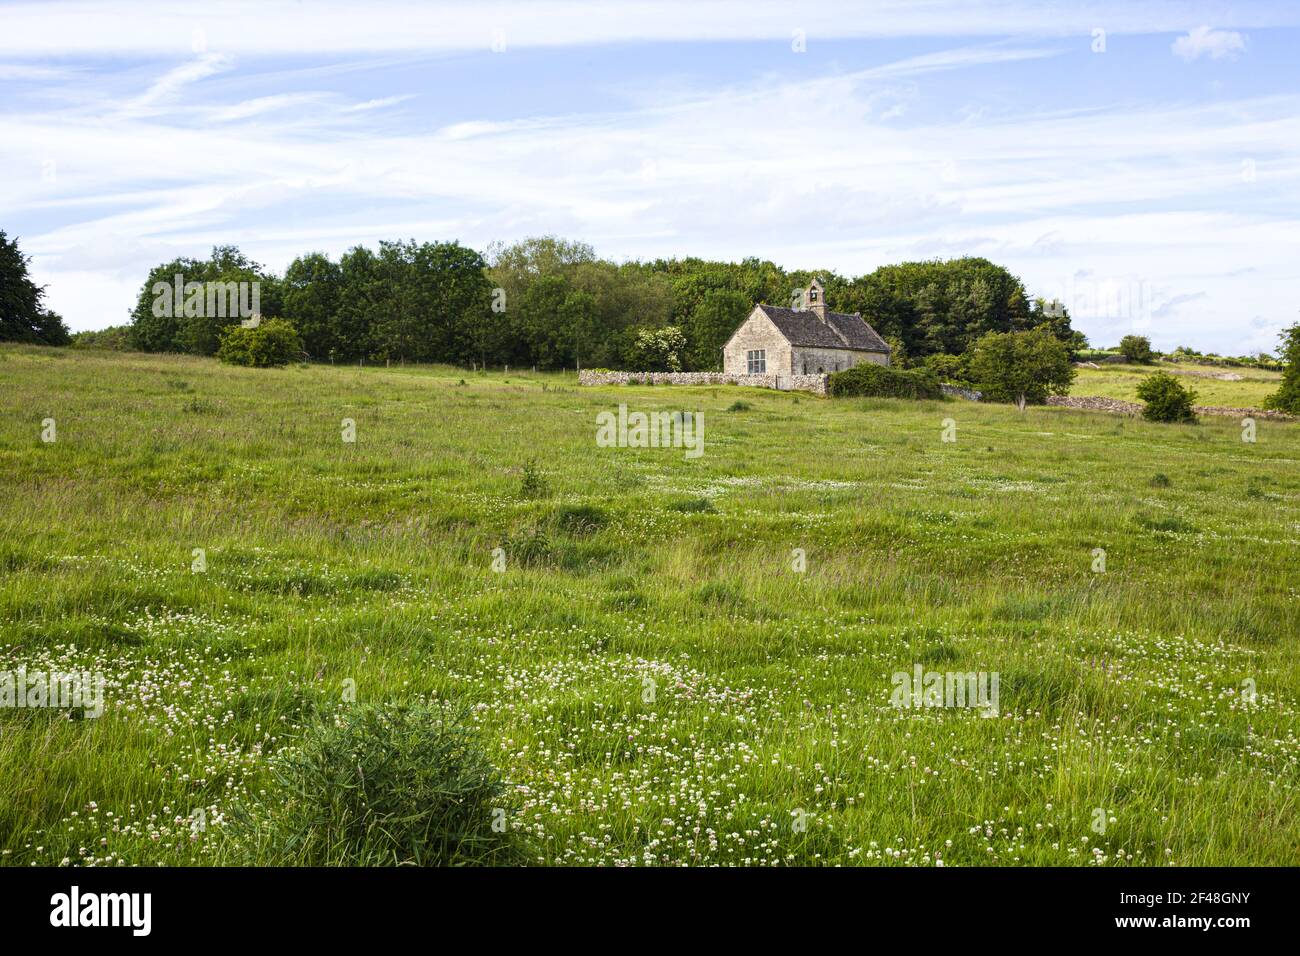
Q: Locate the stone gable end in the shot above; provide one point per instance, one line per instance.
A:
(757, 332)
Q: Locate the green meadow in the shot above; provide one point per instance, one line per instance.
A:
(1121, 381)
(670, 660)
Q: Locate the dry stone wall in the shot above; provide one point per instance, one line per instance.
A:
(1096, 403)
(803, 383)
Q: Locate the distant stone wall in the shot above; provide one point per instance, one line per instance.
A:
(803, 383)
(1096, 403)
(1243, 412)
(956, 391)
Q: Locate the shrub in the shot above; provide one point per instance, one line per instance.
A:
(657, 350)
(885, 381)
(1136, 348)
(1168, 400)
(739, 406)
(377, 786)
(271, 343)
(1287, 398)
(115, 338)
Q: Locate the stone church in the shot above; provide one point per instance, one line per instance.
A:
(807, 341)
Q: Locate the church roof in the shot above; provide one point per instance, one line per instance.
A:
(839, 331)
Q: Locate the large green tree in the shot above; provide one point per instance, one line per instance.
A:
(23, 316)
(1020, 367)
(941, 306)
(313, 285)
(361, 291)
(719, 314)
(545, 323)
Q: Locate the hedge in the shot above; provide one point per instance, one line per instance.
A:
(885, 381)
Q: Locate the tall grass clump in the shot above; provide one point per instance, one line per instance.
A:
(378, 786)
(533, 483)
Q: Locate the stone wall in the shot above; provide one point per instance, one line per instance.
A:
(956, 391)
(1096, 403)
(803, 383)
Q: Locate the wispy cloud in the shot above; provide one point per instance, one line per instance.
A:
(377, 104)
(176, 79)
(1170, 306)
(958, 59)
(266, 104)
(1216, 44)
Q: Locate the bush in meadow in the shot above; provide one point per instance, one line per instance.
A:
(269, 344)
(378, 786)
(1137, 349)
(1168, 400)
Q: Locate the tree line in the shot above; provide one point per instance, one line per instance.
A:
(553, 303)
(545, 302)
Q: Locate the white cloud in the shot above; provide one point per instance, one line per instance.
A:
(379, 103)
(955, 60)
(156, 27)
(265, 104)
(1216, 44)
(27, 72)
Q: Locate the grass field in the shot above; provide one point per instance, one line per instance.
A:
(1121, 381)
(655, 680)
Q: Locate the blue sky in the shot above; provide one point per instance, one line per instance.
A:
(1139, 161)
